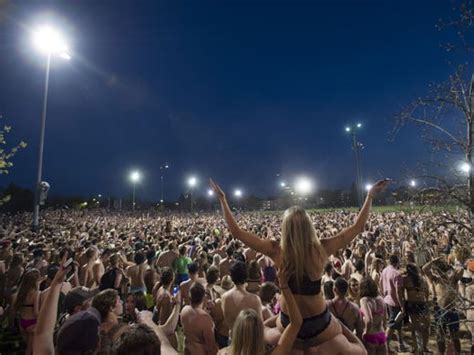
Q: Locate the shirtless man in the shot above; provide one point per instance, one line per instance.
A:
(136, 273)
(225, 263)
(87, 274)
(168, 258)
(249, 255)
(444, 280)
(238, 298)
(347, 268)
(185, 286)
(197, 324)
(470, 299)
(99, 265)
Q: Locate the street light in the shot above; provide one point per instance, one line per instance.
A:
(356, 146)
(368, 187)
(163, 168)
(238, 193)
(283, 184)
(465, 167)
(50, 42)
(303, 186)
(413, 183)
(135, 177)
(192, 182)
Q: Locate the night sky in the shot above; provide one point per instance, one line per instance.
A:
(237, 90)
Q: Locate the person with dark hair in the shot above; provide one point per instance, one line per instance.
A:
(267, 294)
(198, 325)
(136, 273)
(359, 267)
(392, 289)
(343, 309)
(328, 290)
(225, 263)
(139, 339)
(185, 286)
(181, 265)
(416, 294)
(212, 277)
(110, 308)
(373, 310)
(238, 298)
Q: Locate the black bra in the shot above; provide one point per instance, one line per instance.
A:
(306, 287)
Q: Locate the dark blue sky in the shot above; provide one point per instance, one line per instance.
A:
(239, 90)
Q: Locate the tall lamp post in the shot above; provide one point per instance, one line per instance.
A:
(238, 196)
(135, 177)
(356, 147)
(163, 168)
(192, 182)
(50, 42)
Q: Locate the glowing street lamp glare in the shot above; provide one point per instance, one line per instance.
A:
(282, 184)
(135, 176)
(303, 186)
(192, 181)
(348, 129)
(368, 187)
(210, 193)
(238, 193)
(50, 41)
(465, 167)
(412, 183)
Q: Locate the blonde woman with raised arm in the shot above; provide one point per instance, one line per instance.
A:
(303, 255)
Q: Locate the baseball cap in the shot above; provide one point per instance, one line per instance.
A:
(80, 332)
(77, 296)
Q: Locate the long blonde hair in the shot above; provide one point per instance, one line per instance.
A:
(301, 248)
(247, 334)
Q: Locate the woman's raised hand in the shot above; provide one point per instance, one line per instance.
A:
(378, 187)
(217, 190)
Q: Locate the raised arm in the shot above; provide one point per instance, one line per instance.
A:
(285, 344)
(249, 239)
(43, 338)
(343, 238)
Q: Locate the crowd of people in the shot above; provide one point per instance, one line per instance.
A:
(101, 282)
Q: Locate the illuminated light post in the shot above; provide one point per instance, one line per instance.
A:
(413, 183)
(356, 146)
(238, 196)
(368, 187)
(192, 182)
(135, 177)
(50, 42)
(163, 169)
(210, 194)
(303, 186)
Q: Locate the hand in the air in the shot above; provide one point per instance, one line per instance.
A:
(217, 190)
(378, 187)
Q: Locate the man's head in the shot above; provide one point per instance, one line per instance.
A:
(108, 301)
(80, 333)
(182, 250)
(347, 253)
(359, 266)
(238, 272)
(340, 287)
(167, 276)
(193, 269)
(139, 339)
(139, 258)
(212, 275)
(394, 261)
(79, 299)
(197, 293)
